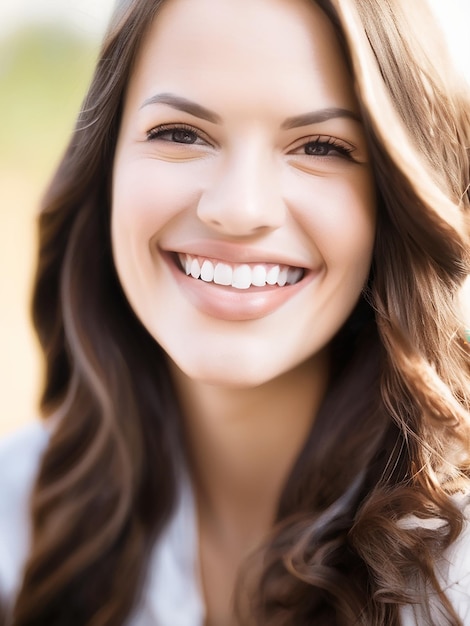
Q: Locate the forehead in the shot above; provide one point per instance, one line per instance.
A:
(273, 49)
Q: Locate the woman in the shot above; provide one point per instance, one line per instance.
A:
(247, 297)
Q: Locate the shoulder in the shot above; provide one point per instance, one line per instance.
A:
(173, 591)
(20, 451)
(20, 455)
(455, 569)
(452, 572)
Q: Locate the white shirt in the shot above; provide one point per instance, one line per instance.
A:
(172, 595)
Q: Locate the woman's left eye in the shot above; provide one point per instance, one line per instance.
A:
(176, 134)
(325, 147)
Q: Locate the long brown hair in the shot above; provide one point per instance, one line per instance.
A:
(391, 438)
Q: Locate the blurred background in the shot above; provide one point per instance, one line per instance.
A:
(47, 53)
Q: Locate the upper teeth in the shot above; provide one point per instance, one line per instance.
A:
(240, 276)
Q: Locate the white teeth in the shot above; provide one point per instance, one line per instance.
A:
(207, 272)
(272, 275)
(195, 269)
(241, 277)
(223, 274)
(282, 279)
(185, 262)
(259, 276)
(294, 274)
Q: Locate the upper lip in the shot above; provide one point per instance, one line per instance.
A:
(236, 253)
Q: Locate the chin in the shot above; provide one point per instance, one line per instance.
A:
(227, 374)
(230, 377)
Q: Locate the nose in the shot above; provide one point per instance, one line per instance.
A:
(245, 197)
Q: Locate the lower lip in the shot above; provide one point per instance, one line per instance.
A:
(228, 303)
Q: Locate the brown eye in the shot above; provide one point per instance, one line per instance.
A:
(325, 149)
(181, 136)
(317, 149)
(176, 134)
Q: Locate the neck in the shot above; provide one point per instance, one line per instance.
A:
(242, 444)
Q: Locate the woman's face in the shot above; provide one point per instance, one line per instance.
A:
(243, 211)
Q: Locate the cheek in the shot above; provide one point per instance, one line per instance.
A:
(148, 194)
(339, 216)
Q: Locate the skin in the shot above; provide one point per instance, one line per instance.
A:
(243, 186)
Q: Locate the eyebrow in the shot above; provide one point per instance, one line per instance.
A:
(193, 108)
(316, 117)
(183, 104)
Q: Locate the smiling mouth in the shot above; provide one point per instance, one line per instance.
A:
(239, 275)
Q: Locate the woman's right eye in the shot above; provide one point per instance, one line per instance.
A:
(176, 134)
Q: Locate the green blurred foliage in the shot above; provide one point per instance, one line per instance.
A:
(44, 73)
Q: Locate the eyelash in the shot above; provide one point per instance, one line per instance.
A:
(159, 131)
(342, 149)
